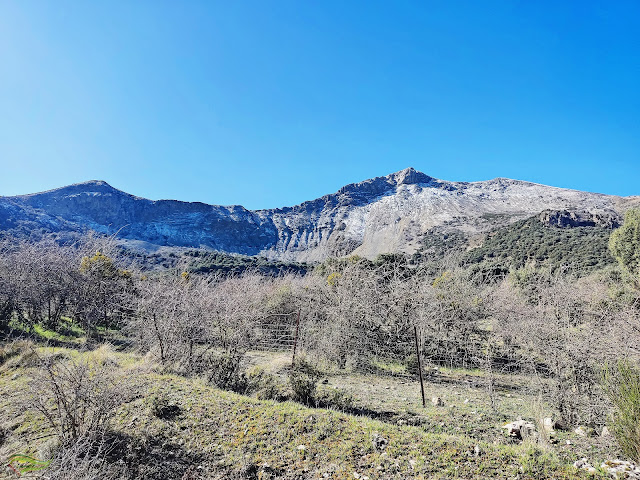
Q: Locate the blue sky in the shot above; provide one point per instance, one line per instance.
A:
(270, 103)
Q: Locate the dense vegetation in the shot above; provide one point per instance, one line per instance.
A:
(625, 243)
(531, 242)
(437, 244)
(205, 262)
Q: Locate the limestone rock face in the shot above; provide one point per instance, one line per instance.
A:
(581, 218)
(380, 215)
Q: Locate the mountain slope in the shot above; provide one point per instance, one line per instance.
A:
(384, 214)
(553, 239)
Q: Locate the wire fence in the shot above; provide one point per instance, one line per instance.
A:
(276, 333)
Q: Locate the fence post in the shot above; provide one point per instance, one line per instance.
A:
(295, 340)
(415, 332)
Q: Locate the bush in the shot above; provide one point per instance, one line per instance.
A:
(225, 372)
(77, 399)
(335, 399)
(267, 386)
(86, 458)
(303, 380)
(624, 243)
(622, 385)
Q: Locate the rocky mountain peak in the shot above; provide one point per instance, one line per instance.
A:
(370, 189)
(94, 183)
(410, 176)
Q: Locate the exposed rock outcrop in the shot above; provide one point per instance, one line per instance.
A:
(581, 218)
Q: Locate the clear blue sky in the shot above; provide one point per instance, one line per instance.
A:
(270, 103)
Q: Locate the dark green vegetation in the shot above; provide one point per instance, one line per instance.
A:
(625, 243)
(209, 262)
(204, 262)
(437, 244)
(531, 242)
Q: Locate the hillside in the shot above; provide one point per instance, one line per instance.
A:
(549, 239)
(169, 426)
(153, 359)
(380, 215)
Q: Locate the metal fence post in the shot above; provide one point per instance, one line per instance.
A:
(295, 340)
(415, 332)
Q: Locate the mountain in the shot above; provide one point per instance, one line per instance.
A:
(383, 214)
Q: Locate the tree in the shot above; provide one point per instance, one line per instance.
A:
(625, 243)
(36, 281)
(104, 292)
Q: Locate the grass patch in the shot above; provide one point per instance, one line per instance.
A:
(66, 332)
(388, 366)
(70, 335)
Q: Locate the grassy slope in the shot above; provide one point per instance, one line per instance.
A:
(219, 434)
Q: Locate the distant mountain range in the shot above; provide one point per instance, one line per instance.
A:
(380, 215)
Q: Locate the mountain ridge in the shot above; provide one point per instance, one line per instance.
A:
(407, 176)
(378, 215)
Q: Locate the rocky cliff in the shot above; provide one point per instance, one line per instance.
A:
(384, 214)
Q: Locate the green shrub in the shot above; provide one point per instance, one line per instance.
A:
(266, 386)
(622, 385)
(303, 380)
(624, 243)
(225, 372)
(273, 391)
(335, 399)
